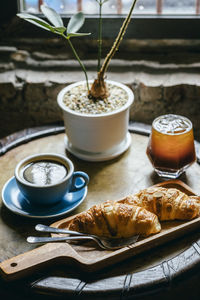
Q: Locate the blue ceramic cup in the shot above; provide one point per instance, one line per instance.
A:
(45, 178)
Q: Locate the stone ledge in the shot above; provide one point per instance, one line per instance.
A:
(21, 59)
(28, 97)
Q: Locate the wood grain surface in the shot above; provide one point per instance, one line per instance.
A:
(156, 270)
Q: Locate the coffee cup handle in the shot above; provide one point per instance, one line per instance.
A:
(78, 186)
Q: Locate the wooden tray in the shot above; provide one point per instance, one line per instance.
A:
(86, 255)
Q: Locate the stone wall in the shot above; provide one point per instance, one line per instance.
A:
(165, 81)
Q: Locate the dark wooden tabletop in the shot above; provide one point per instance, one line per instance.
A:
(168, 271)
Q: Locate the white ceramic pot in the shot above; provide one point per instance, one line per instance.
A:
(96, 137)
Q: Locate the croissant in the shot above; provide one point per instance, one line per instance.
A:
(116, 220)
(167, 204)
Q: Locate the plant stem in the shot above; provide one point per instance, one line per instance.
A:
(100, 35)
(117, 41)
(80, 62)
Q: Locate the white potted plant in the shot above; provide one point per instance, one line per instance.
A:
(96, 112)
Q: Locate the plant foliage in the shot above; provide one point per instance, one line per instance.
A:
(55, 25)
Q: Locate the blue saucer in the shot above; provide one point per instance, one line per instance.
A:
(15, 201)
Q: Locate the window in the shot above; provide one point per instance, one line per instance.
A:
(116, 6)
(153, 19)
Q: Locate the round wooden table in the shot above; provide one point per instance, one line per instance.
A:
(170, 270)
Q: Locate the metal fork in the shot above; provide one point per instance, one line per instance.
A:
(104, 243)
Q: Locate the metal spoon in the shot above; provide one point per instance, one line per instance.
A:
(104, 243)
(44, 228)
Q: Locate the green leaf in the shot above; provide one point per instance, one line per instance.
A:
(75, 23)
(77, 34)
(60, 29)
(52, 15)
(36, 21)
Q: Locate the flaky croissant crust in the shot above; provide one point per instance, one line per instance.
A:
(167, 204)
(116, 220)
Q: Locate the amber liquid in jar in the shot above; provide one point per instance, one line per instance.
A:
(171, 145)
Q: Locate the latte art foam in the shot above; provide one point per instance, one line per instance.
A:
(44, 172)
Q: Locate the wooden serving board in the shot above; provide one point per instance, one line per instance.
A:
(87, 256)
